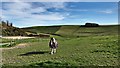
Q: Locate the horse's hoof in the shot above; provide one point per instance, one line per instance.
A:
(51, 53)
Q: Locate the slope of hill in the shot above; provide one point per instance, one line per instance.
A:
(99, 48)
(42, 29)
(97, 31)
(0, 29)
(68, 30)
(9, 30)
(74, 30)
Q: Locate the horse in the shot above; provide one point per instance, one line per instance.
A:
(53, 45)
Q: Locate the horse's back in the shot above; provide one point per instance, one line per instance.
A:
(53, 44)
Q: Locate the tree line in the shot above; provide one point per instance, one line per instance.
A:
(7, 23)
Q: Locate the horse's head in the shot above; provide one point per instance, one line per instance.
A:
(52, 39)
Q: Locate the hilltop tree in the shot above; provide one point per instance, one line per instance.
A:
(3, 23)
(11, 24)
(7, 23)
(91, 24)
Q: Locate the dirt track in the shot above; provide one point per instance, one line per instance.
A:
(16, 37)
(22, 45)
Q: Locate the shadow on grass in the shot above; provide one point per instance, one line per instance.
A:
(31, 53)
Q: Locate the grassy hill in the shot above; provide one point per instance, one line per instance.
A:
(42, 29)
(9, 30)
(78, 46)
(97, 31)
(68, 30)
(0, 28)
(74, 30)
(61, 30)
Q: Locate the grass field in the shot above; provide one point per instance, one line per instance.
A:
(78, 46)
(42, 29)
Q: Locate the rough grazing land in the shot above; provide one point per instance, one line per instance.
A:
(96, 46)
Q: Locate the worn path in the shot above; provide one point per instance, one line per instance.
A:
(22, 45)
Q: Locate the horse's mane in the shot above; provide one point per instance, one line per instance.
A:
(54, 40)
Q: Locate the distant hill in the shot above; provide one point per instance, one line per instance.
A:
(67, 30)
(42, 29)
(62, 30)
(74, 30)
(9, 30)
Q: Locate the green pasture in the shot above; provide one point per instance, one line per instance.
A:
(81, 46)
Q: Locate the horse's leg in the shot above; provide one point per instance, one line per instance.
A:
(52, 50)
(55, 50)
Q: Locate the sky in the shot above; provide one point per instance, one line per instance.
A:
(26, 14)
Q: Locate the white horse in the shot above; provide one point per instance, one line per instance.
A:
(53, 45)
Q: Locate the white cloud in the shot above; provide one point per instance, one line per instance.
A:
(29, 22)
(20, 10)
(37, 10)
(24, 13)
(17, 6)
(55, 16)
(107, 11)
(15, 10)
(81, 10)
(54, 4)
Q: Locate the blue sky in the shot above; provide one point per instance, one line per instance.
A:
(25, 14)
